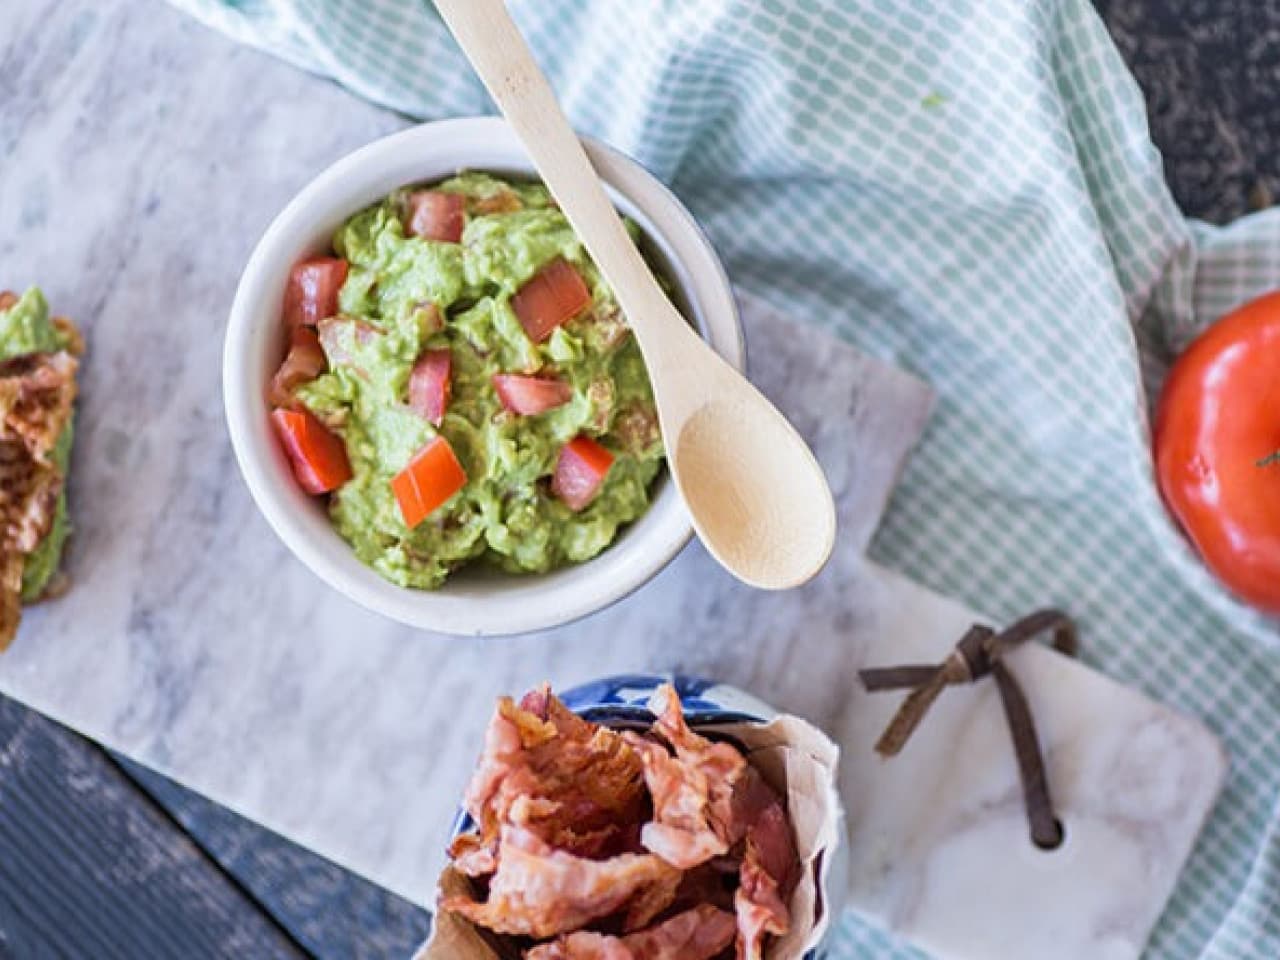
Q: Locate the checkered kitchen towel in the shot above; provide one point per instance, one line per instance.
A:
(967, 188)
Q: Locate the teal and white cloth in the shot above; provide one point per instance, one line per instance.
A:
(967, 188)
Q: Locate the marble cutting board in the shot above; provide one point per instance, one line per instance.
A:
(940, 852)
(194, 643)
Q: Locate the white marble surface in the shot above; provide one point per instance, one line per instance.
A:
(140, 158)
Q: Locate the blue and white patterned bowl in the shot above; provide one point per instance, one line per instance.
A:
(622, 702)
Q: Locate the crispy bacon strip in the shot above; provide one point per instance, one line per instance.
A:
(706, 800)
(545, 705)
(722, 764)
(511, 733)
(28, 498)
(770, 869)
(584, 945)
(577, 786)
(759, 907)
(652, 900)
(472, 856)
(539, 891)
(680, 831)
(696, 815)
(36, 396)
(697, 934)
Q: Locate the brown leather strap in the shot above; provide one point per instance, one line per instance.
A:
(977, 655)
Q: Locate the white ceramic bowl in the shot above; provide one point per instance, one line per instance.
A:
(472, 602)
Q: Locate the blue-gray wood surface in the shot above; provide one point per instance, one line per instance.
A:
(99, 858)
(330, 912)
(89, 866)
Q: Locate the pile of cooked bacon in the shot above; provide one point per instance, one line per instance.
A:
(37, 392)
(598, 845)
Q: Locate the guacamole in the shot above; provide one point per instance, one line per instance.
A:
(407, 297)
(25, 329)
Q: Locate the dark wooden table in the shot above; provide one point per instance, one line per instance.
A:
(100, 858)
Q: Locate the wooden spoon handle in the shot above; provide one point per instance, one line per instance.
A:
(500, 56)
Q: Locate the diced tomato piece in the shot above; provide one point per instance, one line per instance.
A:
(429, 384)
(552, 296)
(312, 291)
(530, 395)
(304, 362)
(580, 471)
(318, 455)
(431, 478)
(434, 215)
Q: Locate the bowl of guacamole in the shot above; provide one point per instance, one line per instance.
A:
(434, 396)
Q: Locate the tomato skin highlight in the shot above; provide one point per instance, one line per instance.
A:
(318, 456)
(580, 471)
(1217, 420)
(529, 396)
(436, 215)
(431, 478)
(551, 297)
(311, 293)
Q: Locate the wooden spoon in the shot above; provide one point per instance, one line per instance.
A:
(758, 498)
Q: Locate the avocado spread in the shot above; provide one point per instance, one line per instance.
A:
(405, 295)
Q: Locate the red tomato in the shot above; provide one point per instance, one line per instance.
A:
(431, 478)
(580, 471)
(304, 362)
(552, 296)
(429, 384)
(311, 294)
(434, 215)
(1217, 425)
(318, 456)
(530, 395)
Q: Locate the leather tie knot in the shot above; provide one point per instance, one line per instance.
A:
(973, 651)
(979, 654)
